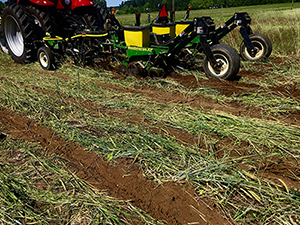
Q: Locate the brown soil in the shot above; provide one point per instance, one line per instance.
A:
(229, 88)
(278, 60)
(264, 167)
(169, 202)
(267, 170)
(197, 101)
(273, 168)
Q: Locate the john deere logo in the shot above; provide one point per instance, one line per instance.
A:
(140, 49)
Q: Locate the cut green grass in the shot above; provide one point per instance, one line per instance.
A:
(237, 183)
(40, 190)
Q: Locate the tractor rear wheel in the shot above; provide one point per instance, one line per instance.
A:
(18, 33)
(41, 21)
(96, 17)
(229, 60)
(3, 44)
(262, 45)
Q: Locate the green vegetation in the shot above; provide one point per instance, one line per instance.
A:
(225, 160)
(134, 6)
(36, 189)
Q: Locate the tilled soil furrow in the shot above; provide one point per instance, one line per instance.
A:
(170, 202)
(199, 101)
(264, 167)
(195, 101)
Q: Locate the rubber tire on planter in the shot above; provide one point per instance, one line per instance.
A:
(18, 33)
(230, 59)
(261, 43)
(46, 58)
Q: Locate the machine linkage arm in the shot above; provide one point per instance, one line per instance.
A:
(182, 40)
(204, 27)
(238, 19)
(223, 30)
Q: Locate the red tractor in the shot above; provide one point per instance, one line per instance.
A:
(24, 23)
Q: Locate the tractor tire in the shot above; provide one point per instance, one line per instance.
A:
(96, 17)
(261, 43)
(42, 23)
(230, 62)
(3, 44)
(18, 33)
(46, 58)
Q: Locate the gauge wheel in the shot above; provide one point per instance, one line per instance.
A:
(46, 58)
(228, 59)
(262, 45)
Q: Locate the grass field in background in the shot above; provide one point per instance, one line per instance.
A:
(247, 197)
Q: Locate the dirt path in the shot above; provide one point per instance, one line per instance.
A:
(170, 203)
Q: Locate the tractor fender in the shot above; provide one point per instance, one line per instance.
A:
(79, 3)
(41, 2)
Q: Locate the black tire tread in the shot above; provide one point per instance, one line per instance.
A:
(98, 12)
(26, 24)
(42, 16)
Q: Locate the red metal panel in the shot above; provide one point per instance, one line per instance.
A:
(42, 2)
(79, 3)
(60, 5)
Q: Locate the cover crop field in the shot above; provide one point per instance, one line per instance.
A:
(92, 146)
